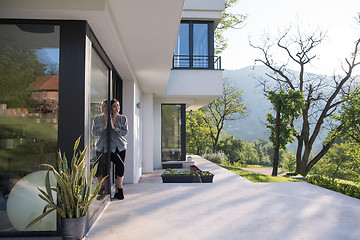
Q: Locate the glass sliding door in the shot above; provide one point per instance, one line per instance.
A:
(29, 90)
(99, 94)
(172, 132)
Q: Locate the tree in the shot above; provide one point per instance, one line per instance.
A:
(288, 161)
(321, 95)
(288, 107)
(19, 67)
(342, 161)
(260, 148)
(198, 139)
(349, 117)
(232, 147)
(228, 21)
(226, 108)
(248, 153)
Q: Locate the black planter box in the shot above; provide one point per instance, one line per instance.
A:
(207, 178)
(177, 178)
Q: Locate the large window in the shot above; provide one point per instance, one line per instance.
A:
(195, 45)
(29, 90)
(173, 132)
(98, 114)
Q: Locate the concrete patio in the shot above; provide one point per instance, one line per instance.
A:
(230, 208)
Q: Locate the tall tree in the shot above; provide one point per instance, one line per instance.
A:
(321, 95)
(229, 20)
(211, 118)
(287, 106)
(229, 106)
(198, 139)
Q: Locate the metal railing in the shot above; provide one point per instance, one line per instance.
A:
(196, 62)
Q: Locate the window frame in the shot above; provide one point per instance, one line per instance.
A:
(210, 39)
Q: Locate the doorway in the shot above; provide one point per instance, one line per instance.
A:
(173, 141)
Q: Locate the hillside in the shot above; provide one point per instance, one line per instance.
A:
(252, 126)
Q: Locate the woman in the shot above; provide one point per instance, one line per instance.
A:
(118, 144)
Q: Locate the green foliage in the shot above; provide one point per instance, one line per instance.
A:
(289, 105)
(257, 177)
(248, 154)
(332, 184)
(173, 172)
(349, 117)
(198, 139)
(229, 106)
(232, 147)
(342, 162)
(288, 161)
(73, 190)
(228, 21)
(205, 126)
(218, 157)
(19, 67)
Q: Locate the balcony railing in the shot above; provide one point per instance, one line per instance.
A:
(196, 62)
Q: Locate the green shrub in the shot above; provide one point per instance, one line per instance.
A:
(344, 188)
(218, 157)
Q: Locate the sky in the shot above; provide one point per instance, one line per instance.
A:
(337, 18)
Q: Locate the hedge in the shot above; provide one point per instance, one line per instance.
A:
(344, 188)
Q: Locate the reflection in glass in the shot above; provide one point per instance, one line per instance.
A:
(98, 116)
(170, 132)
(182, 49)
(200, 45)
(29, 90)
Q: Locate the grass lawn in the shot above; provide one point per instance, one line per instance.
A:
(258, 177)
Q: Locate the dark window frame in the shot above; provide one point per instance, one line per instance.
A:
(182, 130)
(210, 53)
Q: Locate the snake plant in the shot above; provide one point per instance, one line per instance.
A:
(73, 191)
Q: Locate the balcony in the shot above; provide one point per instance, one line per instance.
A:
(196, 62)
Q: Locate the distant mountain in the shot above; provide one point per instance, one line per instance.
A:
(252, 126)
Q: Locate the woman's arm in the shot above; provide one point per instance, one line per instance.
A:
(121, 126)
(98, 126)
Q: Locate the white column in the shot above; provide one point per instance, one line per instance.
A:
(147, 133)
(157, 133)
(128, 111)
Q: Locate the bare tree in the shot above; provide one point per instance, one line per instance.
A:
(322, 95)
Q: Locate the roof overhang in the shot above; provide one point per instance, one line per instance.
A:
(138, 36)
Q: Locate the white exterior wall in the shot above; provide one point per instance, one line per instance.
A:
(131, 96)
(208, 5)
(147, 107)
(203, 10)
(157, 133)
(195, 82)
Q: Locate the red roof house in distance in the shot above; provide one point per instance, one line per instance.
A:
(45, 89)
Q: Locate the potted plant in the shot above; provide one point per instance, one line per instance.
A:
(206, 176)
(73, 194)
(178, 176)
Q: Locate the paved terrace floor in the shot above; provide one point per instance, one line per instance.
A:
(230, 208)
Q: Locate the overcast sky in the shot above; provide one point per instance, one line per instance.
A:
(334, 16)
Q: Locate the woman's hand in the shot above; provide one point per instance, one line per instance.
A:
(112, 123)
